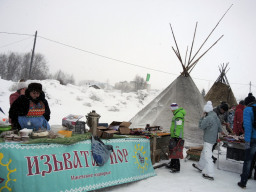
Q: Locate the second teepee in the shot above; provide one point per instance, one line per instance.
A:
(221, 90)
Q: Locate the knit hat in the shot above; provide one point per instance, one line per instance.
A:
(208, 107)
(249, 99)
(174, 106)
(224, 106)
(22, 85)
(241, 102)
(35, 87)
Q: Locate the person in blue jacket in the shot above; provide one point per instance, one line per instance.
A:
(249, 137)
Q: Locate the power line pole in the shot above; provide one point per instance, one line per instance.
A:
(32, 56)
(250, 87)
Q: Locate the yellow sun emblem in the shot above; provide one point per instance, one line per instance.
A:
(7, 179)
(140, 157)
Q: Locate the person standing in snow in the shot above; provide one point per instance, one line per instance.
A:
(211, 125)
(222, 113)
(238, 119)
(249, 137)
(31, 110)
(177, 132)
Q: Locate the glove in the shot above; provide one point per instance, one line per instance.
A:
(247, 145)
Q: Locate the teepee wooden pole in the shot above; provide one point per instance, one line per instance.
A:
(191, 65)
(186, 57)
(192, 45)
(210, 33)
(177, 52)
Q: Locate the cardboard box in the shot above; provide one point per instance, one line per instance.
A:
(99, 133)
(108, 134)
(122, 127)
(124, 130)
(102, 128)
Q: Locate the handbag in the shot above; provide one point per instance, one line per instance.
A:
(176, 146)
(100, 151)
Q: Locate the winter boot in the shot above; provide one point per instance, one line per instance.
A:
(169, 165)
(195, 166)
(173, 170)
(208, 177)
(241, 185)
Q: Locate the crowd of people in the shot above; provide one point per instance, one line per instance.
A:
(29, 109)
(235, 120)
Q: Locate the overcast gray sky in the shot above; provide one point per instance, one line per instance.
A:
(136, 32)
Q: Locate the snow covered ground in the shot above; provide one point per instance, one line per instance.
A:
(111, 105)
(114, 106)
(190, 180)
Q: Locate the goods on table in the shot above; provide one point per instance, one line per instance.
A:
(65, 133)
(39, 134)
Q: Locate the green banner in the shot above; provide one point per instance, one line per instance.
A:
(54, 167)
(148, 77)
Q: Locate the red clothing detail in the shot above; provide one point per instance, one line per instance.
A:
(238, 120)
(13, 97)
(36, 110)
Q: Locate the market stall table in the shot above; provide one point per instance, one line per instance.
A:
(233, 155)
(58, 167)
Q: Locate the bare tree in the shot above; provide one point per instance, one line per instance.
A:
(25, 65)
(16, 66)
(64, 78)
(140, 83)
(13, 67)
(39, 68)
(3, 63)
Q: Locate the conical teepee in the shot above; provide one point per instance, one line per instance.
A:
(182, 91)
(221, 90)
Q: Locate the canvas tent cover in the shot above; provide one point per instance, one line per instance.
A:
(184, 92)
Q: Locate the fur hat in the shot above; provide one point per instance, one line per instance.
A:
(224, 106)
(22, 85)
(208, 107)
(35, 87)
(174, 106)
(241, 102)
(249, 99)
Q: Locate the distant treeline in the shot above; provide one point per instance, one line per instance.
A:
(16, 66)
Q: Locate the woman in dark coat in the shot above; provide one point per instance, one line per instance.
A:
(31, 110)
